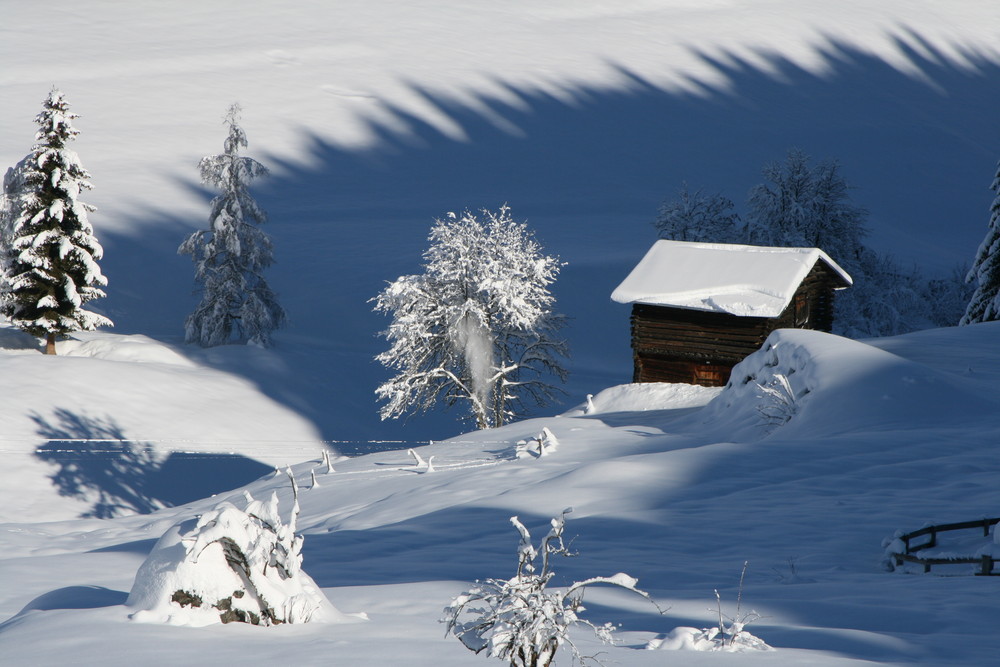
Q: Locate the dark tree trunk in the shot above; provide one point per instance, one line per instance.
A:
(50, 343)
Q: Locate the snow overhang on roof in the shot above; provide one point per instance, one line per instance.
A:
(748, 281)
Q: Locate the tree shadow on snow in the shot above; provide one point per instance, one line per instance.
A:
(98, 464)
(587, 169)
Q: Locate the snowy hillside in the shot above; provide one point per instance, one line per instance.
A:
(177, 430)
(881, 438)
(377, 116)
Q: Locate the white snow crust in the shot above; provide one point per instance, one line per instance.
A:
(378, 115)
(748, 281)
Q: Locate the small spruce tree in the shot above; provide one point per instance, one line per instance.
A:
(984, 306)
(230, 256)
(50, 252)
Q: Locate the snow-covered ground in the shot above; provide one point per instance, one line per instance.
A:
(377, 116)
(673, 485)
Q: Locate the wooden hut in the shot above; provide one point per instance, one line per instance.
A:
(699, 308)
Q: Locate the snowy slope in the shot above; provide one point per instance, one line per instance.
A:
(177, 431)
(378, 115)
(887, 437)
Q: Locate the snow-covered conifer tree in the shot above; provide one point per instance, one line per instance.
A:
(984, 306)
(230, 256)
(699, 216)
(476, 328)
(50, 251)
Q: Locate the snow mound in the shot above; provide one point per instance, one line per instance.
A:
(707, 639)
(814, 382)
(133, 348)
(643, 396)
(230, 565)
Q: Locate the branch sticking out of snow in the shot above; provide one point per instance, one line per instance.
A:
(541, 445)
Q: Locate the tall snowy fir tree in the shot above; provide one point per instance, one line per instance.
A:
(984, 306)
(50, 251)
(476, 328)
(237, 306)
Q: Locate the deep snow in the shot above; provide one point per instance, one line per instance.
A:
(888, 435)
(377, 116)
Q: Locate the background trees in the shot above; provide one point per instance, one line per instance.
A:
(699, 216)
(50, 253)
(476, 327)
(800, 204)
(230, 256)
(984, 305)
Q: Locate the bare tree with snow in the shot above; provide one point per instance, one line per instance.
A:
(237, 305)
(50, 252)
(805, 205)
(476, 328)
(699, 216)
(801, 205)
(984, 306)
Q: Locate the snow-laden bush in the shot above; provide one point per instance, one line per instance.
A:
(230, 565)
(777, 400)
(541, 445)
(729, 634)
(521, 621)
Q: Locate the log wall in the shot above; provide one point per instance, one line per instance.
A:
(700, 347)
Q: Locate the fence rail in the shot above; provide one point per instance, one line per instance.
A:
(985, 563)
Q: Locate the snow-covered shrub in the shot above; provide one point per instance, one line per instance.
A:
(729, 634)
(777, 400)
(229, 565)
(521, 621)
(540, 445)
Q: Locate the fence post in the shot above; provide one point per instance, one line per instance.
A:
(987, 565)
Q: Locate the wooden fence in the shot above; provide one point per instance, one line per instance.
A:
(985, 562)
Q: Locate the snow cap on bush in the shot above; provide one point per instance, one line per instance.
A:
(229, 565)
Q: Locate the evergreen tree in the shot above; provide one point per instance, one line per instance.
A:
(51, 253)
(699, 216)
(230, 256)
(477, 327)
(984, 306)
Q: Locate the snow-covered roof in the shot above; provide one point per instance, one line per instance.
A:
(748, 281)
